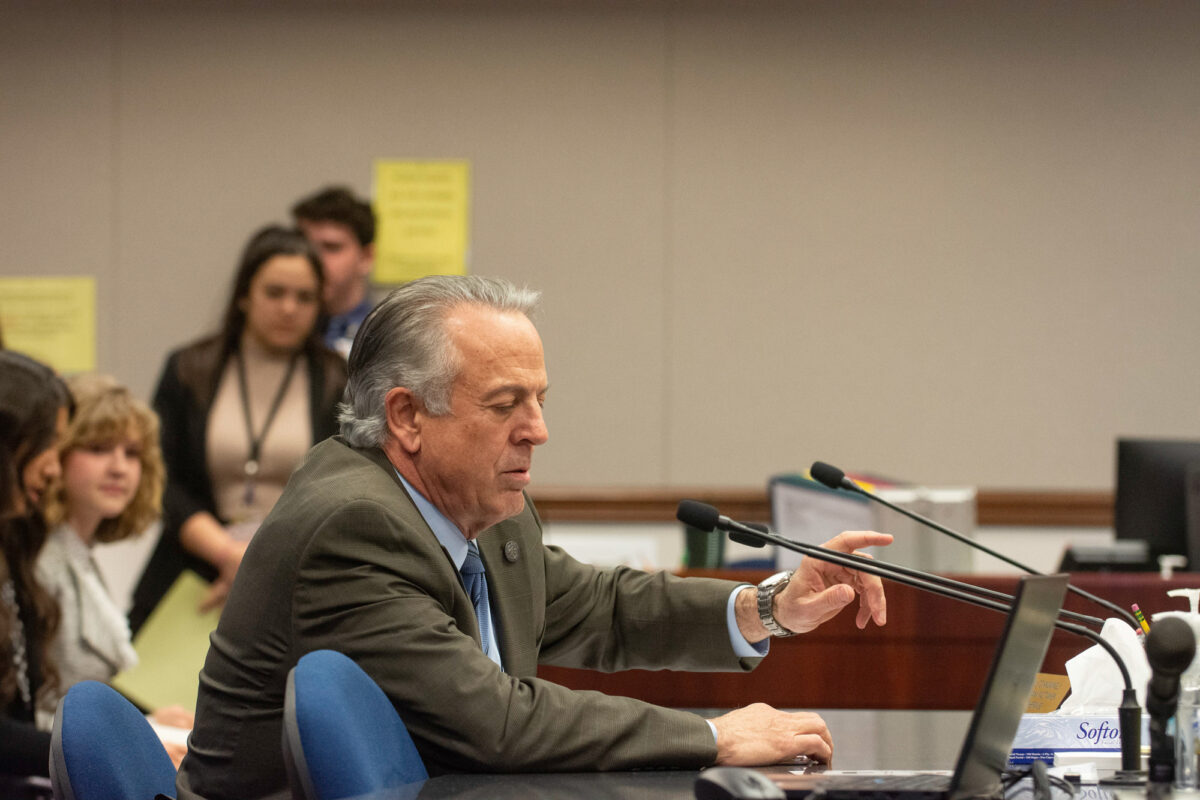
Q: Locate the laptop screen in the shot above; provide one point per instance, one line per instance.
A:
(1006, 690)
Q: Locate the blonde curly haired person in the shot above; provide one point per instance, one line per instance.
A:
(110, 489)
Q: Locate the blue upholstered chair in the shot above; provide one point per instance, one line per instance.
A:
(102, 748)
(341, 735)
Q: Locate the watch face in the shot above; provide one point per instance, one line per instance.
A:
(779, 579)
(766, 594)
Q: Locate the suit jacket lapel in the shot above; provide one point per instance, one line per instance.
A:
(503, 550)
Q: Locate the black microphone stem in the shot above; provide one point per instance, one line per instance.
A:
(1116, 609)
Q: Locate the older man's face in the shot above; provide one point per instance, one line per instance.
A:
(476, 460)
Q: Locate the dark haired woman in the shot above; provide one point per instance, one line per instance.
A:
(34, 406)
(239, 409)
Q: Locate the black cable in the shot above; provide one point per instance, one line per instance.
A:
(1040, 784)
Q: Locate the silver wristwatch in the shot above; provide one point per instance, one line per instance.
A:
(766, 601)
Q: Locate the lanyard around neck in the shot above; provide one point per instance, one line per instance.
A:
(251, 465)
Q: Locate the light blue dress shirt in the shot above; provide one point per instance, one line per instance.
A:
(451, 538)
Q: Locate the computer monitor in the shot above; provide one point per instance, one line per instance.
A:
(1158, 496)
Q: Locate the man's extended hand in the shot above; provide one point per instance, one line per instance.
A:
(819, 590)
(758, 735)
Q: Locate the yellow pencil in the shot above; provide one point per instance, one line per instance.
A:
(1141, 618)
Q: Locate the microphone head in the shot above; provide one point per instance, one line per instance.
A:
(1170, 646)
(698, 515)
(827, 474)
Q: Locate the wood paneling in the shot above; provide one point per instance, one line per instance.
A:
(994, 506)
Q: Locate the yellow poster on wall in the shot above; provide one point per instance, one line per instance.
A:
(422, 219)
(51, 319)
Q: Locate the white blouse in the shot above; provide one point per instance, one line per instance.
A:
(93, 641)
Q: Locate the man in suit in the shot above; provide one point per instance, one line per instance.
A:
(374, 550)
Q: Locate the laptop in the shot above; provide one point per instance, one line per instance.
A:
(984, 752)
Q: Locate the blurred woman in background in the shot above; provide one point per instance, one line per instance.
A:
(34, 409)
(110, 489)
(239, 409)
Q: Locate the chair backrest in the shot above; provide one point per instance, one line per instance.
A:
(341, 735)
(102, 748)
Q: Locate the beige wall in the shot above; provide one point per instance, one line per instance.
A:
(954, 242)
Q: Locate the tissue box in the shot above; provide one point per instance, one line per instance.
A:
(1040, 736)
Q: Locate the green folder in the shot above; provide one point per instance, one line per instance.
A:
(171, 648)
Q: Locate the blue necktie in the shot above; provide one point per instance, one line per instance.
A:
(475, 582)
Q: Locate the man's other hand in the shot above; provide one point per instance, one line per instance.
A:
(758, 735)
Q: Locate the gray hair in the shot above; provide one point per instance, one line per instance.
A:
(404, 342)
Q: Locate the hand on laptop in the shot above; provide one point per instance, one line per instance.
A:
(759, 734)
(819, 590)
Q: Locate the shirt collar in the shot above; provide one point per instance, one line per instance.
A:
(447, 533)
(74, 548)
(346, 324)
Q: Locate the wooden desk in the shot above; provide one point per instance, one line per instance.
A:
(933, 653)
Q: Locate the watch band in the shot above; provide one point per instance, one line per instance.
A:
(766, 602)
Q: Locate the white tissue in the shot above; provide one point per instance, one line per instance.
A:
(1096, 683)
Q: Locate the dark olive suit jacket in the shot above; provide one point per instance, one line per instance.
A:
(346, 562)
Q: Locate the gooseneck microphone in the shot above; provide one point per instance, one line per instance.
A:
(834, 478)
(705, 517)
(1170, 647)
